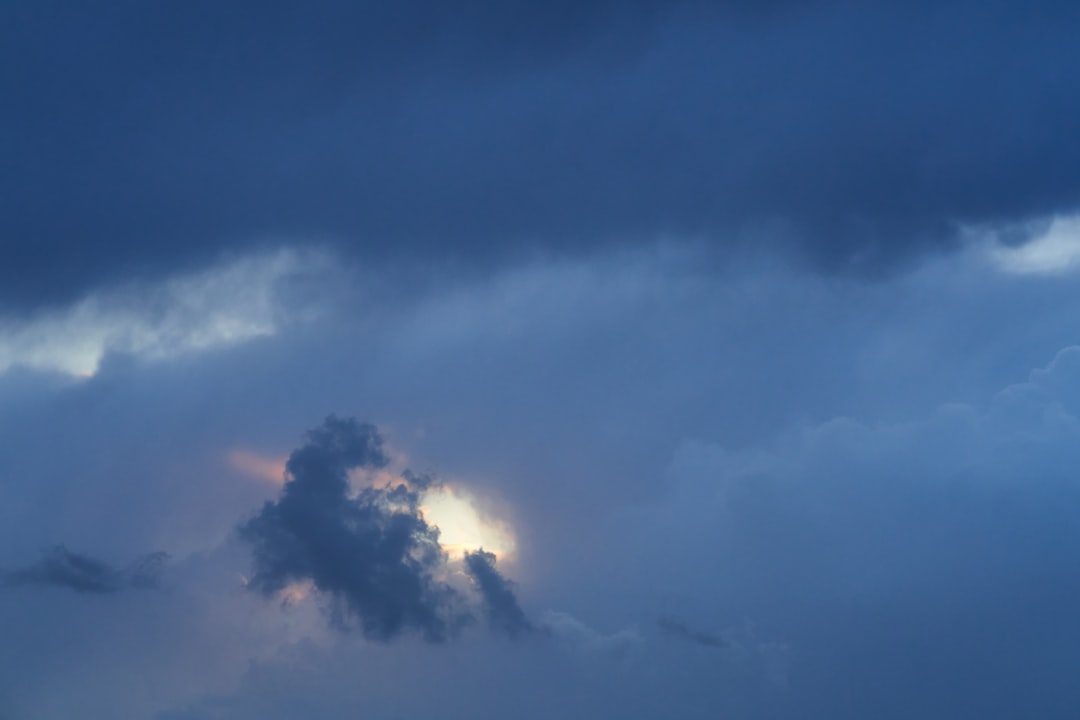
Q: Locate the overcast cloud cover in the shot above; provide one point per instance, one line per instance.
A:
(587, 360)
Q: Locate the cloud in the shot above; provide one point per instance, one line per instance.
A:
(677, 629)
(937, 551)
(500, 603)
(59, 567)
(567, 629)
(861, 134)
(225, 304)
(373, 553)
(1052, 248)
(582, 380)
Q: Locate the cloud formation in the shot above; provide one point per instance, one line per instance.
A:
(501, 607)
(860, 133)
(872, 554)
(371, 552)
(60, 567)
(223, 305)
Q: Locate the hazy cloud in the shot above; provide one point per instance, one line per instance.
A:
(223, 305)
(60, 567)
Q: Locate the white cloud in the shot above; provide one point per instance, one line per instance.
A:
(223, 305)
(1056, 250)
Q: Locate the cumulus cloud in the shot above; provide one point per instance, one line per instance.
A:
(501, 607)
(60, 567)
(894, 553)
(371, 552)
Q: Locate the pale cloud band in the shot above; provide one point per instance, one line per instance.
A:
(222, 305)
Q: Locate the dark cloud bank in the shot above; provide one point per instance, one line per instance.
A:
(371, 553)
(152, 135)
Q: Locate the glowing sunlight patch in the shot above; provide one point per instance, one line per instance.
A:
(462, 527)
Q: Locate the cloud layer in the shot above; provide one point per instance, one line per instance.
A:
(859, 134)
(825, 475)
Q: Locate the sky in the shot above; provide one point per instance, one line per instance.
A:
(527, 359)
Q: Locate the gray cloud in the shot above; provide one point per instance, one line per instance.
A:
(501, 607)
(582, 379)
(372, 552)
(860, 134)
(59, 567)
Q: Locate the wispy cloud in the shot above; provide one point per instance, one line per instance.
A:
(60, 567)
(225, 304)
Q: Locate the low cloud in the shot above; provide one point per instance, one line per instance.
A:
(222, 305)
(59, 567)
(501, 607)
(372, 553)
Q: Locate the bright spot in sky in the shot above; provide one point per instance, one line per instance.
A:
(462, 527)
(1056, 250)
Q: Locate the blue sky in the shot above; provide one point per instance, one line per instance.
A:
(740, 337)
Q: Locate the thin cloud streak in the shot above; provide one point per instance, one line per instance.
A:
(221, 306)
(60, 567)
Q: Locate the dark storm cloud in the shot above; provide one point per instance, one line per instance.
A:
(150, 135)
(372, 553)
(500, 603)
(677, 629)
(60, 567)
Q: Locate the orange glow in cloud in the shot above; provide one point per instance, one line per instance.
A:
(294, 594)
(259, 467)
(462, 527)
